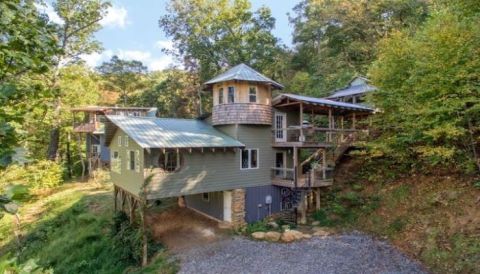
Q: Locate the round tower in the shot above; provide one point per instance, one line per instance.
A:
(242, 95)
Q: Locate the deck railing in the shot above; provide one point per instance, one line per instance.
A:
(308, 134)
(320, 176)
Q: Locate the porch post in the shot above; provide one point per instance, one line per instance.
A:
(317, 199)
(295, 168)
(301, 122)
(324, 164)
(341, 126)
(329, 139)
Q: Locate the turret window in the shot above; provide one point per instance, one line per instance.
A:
(252, 94)
(220, 96)
(231, 95)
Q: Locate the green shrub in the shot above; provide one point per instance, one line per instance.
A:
(260, 226)
(40, 175)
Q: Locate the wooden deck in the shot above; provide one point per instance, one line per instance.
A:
(302, 183)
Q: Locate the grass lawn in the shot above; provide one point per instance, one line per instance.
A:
(68, 230)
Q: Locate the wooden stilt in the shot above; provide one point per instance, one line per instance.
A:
(115, 198)
(317, 199)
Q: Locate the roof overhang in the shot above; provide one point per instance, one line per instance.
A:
(317, 105)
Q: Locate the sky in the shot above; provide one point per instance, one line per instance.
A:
(130, 30)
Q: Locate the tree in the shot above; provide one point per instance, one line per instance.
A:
(335, 40)
(429, 91)
(173, 94)
(123, 76)
(27, 45)
(81, 19)
(211, 35)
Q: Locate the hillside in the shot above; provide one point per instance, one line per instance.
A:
(433, 217)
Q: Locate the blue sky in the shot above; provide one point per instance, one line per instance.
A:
(131, 30)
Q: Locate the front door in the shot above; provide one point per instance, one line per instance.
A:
(280, 127)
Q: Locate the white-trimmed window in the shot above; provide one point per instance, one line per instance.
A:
(126, 141)
(119, 141)
(206, 197)
(252, 94)
(169, 161)
(220, 96)
(249, 158)
(231, 95)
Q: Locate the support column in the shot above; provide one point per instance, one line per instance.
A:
(238, 207)
(295, 165)
(302, 137)
(303, 208)
(115, 198)
(329, 135)
(317, 199)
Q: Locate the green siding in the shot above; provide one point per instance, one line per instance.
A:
(130, 180)
(216, 171)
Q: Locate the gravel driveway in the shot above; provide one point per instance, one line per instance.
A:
(347, 253)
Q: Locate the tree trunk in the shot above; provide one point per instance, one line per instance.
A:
(79, 138)
(53, 145)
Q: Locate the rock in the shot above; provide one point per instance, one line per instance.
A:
(321, 231)
(315, 223)
(307, 236)
(272, 225)
(285, 227)
(291, 235)
(273, 236)
(258, 235)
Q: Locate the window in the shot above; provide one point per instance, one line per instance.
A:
(169, 161)
(206, 197)
(96, 149)
(126, 141)
(252, 95)
(116, 162)
(119, 141)
(231, 95)
(220, 96)
(131, 160)
(249, 159)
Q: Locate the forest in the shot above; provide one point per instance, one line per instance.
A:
(423, 55)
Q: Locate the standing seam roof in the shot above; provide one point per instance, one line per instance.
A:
(323, 102)
(151, 132)
(243, 72)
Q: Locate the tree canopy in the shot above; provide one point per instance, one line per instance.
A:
(211, 35)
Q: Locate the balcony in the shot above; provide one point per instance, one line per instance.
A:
(308, 136)
(242, 113)
(318, 177)
(91, 127)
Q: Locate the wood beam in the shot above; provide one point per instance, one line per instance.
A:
(287, 104)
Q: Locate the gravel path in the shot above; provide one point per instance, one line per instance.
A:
(347, 253)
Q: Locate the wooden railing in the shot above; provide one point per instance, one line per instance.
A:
(320, 176)
(308, 134)
(89, 127)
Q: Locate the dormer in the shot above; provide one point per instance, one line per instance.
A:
(241, 95)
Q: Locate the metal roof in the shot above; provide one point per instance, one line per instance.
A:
(321, 102)
(243, 72)
(353, 89)
(105, 108)
(149, 132)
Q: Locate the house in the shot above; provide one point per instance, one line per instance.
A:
(253, 156)
(354, 92)
(92, 126)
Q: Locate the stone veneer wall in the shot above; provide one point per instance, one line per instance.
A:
(238, 208)
(242, 113)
